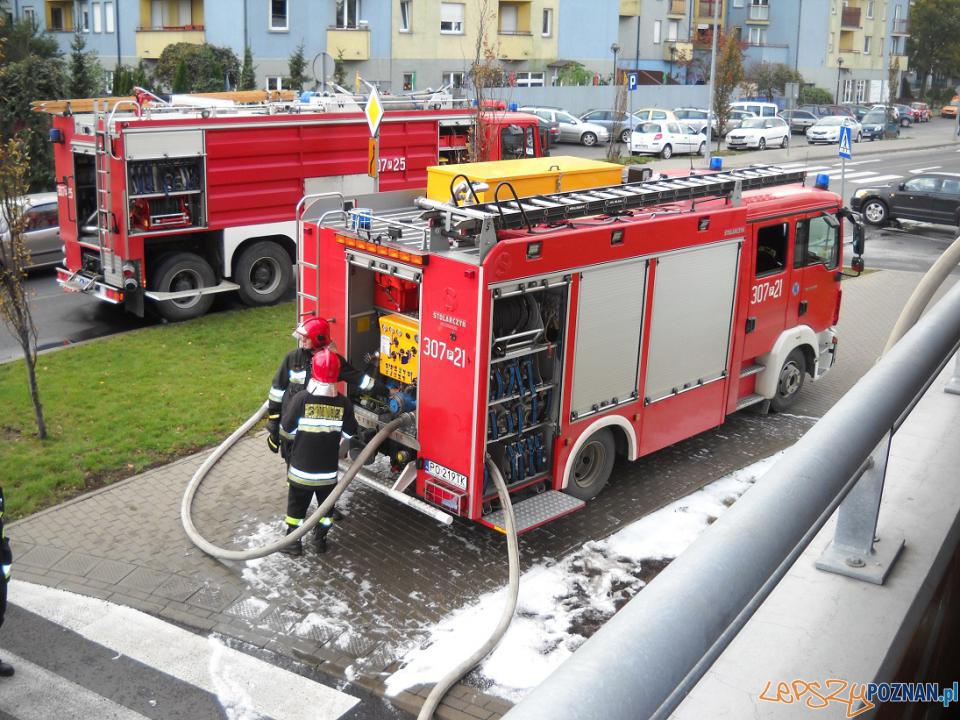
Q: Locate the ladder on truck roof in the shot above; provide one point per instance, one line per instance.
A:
(557, 207)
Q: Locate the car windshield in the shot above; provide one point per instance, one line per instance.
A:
(873, 117)
(650, 128)
(752, 123)
(831, 121)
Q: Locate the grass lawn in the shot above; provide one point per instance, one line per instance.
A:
(119, 405)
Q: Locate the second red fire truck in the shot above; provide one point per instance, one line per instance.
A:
(547, 334)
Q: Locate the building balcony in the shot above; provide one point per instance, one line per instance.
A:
(850, 17)
(705, 10)
(677, 50)
(150, 42)
(515, 45)
(677, 7)
(901, 27)
(349, 43)
(629, 8)
(903, 62)
(759, 13)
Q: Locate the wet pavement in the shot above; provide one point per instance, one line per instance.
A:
(390, 573)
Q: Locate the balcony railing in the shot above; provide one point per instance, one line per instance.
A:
(901, 27)
(677, 7)
(170, 28)
(759, 12)
(706, 8)
(850, 17)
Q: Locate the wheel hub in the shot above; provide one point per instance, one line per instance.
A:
(789, 380)
(185, 280)
(264, 276)
(588, 464)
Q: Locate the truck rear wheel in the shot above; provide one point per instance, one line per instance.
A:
(264, 273)
(183, 271)
(792, 374)
(591, 467)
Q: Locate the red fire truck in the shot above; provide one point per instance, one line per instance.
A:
(550, 333)
(176, 203)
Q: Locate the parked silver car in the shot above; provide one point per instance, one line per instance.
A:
(624, 122)
(572, 129)
(41, 230)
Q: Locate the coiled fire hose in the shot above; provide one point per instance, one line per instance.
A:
(513, 548)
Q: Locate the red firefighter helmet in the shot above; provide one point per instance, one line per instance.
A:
(326, 366)
(317, 330)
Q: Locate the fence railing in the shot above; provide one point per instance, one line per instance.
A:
(651, 653)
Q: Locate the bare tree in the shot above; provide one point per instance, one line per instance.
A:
(14, 258)
(729, 75)
(485, 73)
(620, 121)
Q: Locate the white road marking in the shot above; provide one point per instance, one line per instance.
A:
(857, 162)
(877, 179)
(203, 662)
(918, 171)
(35, 693)
(835, 174)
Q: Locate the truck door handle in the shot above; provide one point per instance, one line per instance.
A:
(751, 324)
(803, 308)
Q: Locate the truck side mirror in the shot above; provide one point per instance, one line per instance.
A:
(858, 239)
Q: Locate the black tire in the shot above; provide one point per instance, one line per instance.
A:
(702, 150)
(785, 141)
(183, 271)
(876, 212)
(264, 273)
(905, 123)
(762, 145)
(588, 139)
(625, 136)
(590, 469)
(790, 381)
(667, 152)
(859, 137)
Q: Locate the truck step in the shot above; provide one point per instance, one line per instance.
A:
(750, 400)
(535, 511)
(751, 370)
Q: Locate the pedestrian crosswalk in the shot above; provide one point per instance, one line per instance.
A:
(856, 174)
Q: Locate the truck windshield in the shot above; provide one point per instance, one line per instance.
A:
(517, 142)
(817, 242)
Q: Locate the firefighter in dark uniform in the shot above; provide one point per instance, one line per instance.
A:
(6, 670)
(315, 422)
(312, 334)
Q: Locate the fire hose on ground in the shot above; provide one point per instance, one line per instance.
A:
(455, 674)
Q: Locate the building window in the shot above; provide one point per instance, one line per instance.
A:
(278, 15)
(758, 36)
(673, 30)
(656, 32)
(347, 13)
(453, 78)
(451, 18)
(867, 41)
(410, 81)
(759, 10)
(56, 18)
(529, 79)
(85, 20)
(547, 29)
(833, 38)
(108, 17)
(738, 3)
(509, 19)
(870, 4)
(274, 82)
(97, 18)
(30, 14)
(847, 93)
(861, 91)
(406, 8)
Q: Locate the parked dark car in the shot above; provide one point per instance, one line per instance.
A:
(828, 110)
(799, 120)
(41, 230)
(908, 116)
(930, 197)
(858, 110)
(873, 125)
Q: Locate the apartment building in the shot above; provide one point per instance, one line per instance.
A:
(655, 36)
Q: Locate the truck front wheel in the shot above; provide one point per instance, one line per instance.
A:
(591, 467)
(179, 272)
(790, 381)
(264, 273)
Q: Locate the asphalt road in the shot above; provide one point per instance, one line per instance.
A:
(64, 319)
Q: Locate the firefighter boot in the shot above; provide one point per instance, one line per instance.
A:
(319, 539)
(6, 670)
(335, 514)
(294, 549)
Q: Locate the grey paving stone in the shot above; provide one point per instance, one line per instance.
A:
(280, 620)
(144, 580)
(248, 608)
(111, 571)
(215, 598)
(77, 563)
(42, 556)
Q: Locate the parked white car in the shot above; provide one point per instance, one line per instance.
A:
(666, 139)
(827, 129)
(759, 133)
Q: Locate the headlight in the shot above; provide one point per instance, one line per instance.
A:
(860, 194)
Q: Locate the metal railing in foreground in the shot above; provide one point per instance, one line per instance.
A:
(644, 661)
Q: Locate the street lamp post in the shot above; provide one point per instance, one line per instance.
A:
(614, 48)
(839, 68)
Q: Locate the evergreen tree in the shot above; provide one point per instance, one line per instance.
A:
(86, 74)
(181, 82)
(248, 75)
(297, 66)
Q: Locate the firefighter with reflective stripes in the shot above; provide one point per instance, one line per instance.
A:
(312, 334)
(315, 422)
(6, 670)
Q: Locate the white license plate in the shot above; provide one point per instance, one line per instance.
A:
(446, 474)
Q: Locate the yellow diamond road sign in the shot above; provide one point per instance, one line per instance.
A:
(374, 112)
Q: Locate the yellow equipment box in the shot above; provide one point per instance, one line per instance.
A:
(530, 176)
(399, 347)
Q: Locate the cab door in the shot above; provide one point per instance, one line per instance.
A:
(815, 286)
(914, 200)
(767, 307)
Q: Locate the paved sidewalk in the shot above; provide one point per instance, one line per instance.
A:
(391, 573)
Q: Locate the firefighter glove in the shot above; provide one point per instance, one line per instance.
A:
(273, 435)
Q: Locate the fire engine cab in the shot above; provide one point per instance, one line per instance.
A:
(173, 203)
(547, 333)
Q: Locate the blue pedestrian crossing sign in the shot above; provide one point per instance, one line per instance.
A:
(632, 81)
(845, 143)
